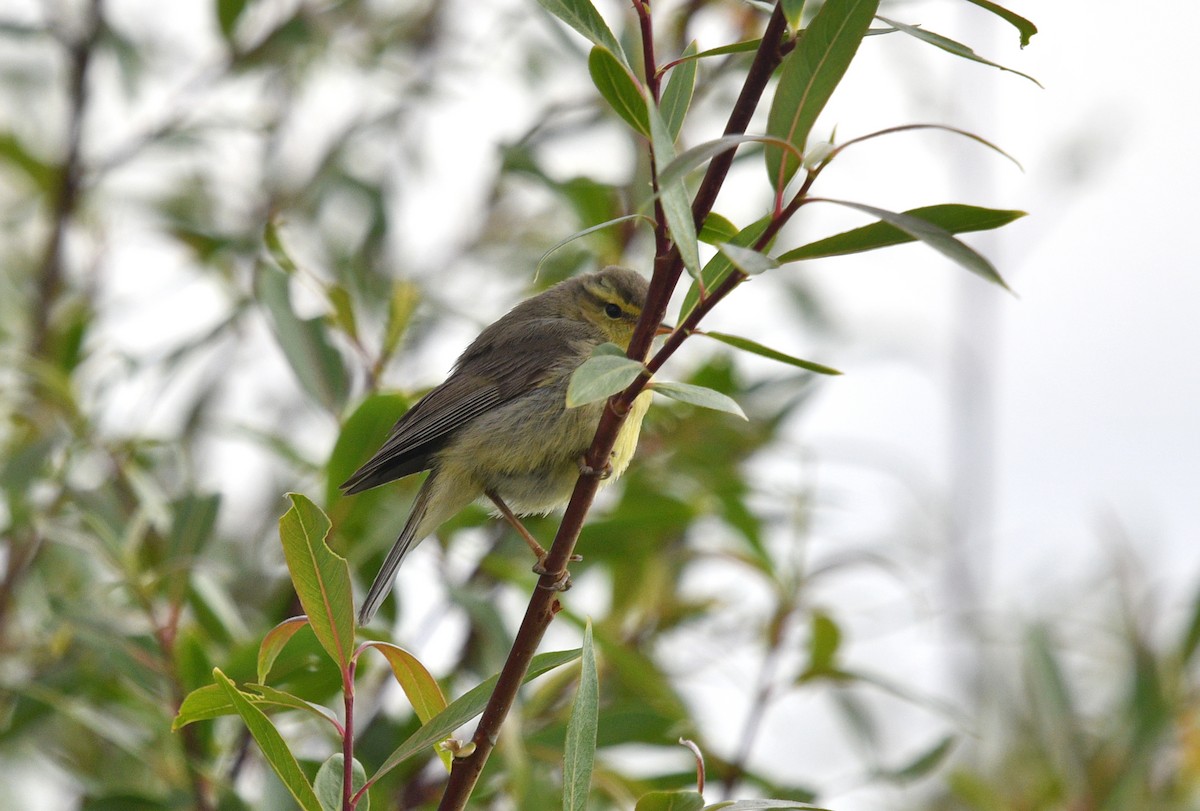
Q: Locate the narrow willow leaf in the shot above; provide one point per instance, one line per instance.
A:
(950, 46)
(677, 95)
(276, 249)
(583, 17)
(910, 127)
(674, 198)
(824, 642)
(1024, 27)
(361, 434)
(747, 260)
(228, 12)
(273, 642)
(809, 75)
(305, 342)
(745, 46)
(700, 154)
(268, 697)
(762, 805)
(274, 748)
(419, 685)
(932, 235)
(590, 230)
(321, 578)
(202, 704)
(670, 801)
(952, 217)
(580, 750)
(746, 345)
(717, 229)
(343, 309)
(698, 396)
(793, 12)
(328, 785)
(719, 267)
(401, 306)
(211, 701)
(600, 377)
(926, 762)
(463, 709)
(619, 88)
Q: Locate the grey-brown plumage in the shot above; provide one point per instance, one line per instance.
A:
(499, 423)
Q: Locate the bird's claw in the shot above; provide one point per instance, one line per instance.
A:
(587, 470)
(562, 579)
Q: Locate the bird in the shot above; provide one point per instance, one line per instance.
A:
(499, 427)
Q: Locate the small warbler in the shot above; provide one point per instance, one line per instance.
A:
(499, 426)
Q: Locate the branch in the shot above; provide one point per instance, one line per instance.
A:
(65, 197)
(544, 604)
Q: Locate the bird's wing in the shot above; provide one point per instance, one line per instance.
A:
(482, 380)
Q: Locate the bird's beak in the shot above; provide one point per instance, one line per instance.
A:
(664, 329)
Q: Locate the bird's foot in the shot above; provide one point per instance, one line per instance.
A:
(596, 473)
(562, 580)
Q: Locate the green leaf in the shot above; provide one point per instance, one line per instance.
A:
(926, 762)
(321, 578)
(362, 432)
(305, 342)
(746, 345)
(583, 17)
(1024, 27)
(670, 801)
(273, 643)
(328, 784)
(793, 12)
(932, 235)
(228, 12)
(677, 95)
(463, 709)
(202, 704)
(343, 309)
(14, 154)
(762, 805)
(590, 230)
(601, 376)
(273, 747)
(401, 306)
(746, 46)
(673, 194)
(619, 88)
(824, 642)
(211, 701)
(747, 260)
(275, 247)
(717, 229)
(580, 750)
(264, 696)
(418, 684)
(702, 153)
(698, 396)
(809, 75)
(954, 218)
(950, 46)
(719, 267)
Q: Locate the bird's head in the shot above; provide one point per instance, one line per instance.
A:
(611, 301)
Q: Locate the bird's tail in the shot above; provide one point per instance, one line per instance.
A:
(408, 538)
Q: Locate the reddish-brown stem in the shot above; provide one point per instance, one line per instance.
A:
(349, 800)
(669, 266)
(543, 605)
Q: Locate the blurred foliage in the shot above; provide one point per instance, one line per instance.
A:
(204, 286)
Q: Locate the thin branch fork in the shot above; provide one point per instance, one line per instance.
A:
(668, 266)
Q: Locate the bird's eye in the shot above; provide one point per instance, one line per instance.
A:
(612, 311)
